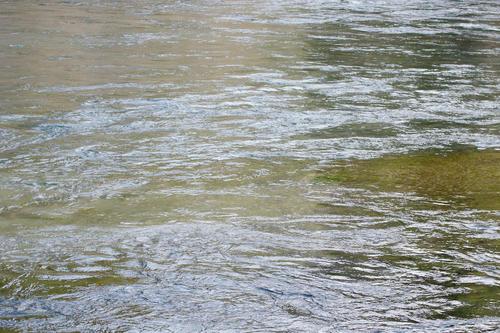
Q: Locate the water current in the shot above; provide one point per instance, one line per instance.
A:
(249, 166)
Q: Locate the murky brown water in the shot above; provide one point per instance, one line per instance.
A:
(167, 166)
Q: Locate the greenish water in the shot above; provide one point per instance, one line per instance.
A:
(249, 166)
(466, 177)
(458, 178)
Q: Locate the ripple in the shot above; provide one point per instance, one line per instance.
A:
(159, 166)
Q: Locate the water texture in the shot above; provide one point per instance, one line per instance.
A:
(249, 166)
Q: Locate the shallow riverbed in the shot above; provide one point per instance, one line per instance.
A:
(249, 166)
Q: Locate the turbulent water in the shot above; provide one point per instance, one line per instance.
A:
(162, 166)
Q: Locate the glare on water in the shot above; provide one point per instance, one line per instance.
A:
(273, 166)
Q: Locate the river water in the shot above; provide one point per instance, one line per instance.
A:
(162, 166)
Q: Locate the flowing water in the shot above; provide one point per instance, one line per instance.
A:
(249, 166)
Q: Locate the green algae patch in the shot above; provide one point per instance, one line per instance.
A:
(466, 176)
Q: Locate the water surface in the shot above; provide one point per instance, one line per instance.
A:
(174, 166)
